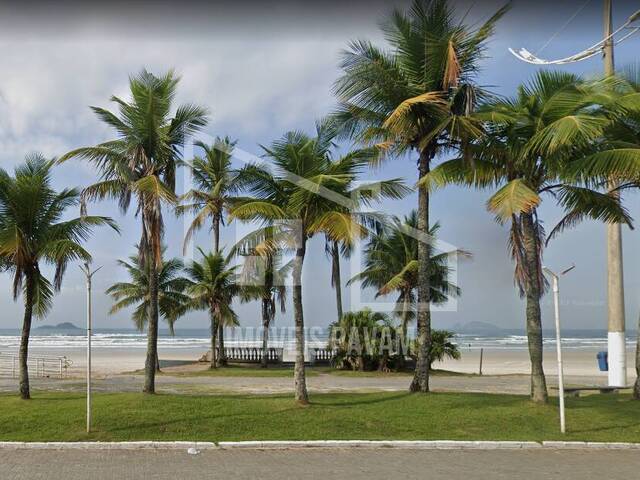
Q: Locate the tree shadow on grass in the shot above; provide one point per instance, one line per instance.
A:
(605, 428)
(369, 401)
(57, 397)
(200, 419)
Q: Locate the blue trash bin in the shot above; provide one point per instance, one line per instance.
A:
(603, 361)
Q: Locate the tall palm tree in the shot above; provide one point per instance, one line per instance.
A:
(141, 164)
(531, 142)
(391, 267)
(362, 194)
(216, 184)
(617, 155)
(33, 233)
(172, 301)
(416, 96)
(212, 285)
(303, 195)
(334, 251)
(263, 277)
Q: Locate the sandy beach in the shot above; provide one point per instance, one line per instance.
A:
(499, 361)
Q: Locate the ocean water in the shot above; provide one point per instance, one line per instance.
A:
(279, 337)
(573, 340)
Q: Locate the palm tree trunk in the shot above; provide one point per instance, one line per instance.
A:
(636, 386)
(299, 377)
(25, 392)
(265, 335)
(335, 277)
(534, 320)
(152, 328)
(214, 340)
(267, 308)
(406, 304)
(216, 234)
(222, 359)
(420, 381)
(157, 363)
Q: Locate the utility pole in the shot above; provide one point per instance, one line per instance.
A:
(89, 275)
(616, 342)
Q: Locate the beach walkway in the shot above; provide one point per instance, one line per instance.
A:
(312, 464)
(319, 383)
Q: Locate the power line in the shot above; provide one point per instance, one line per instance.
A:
(563, 27)
(526, 56)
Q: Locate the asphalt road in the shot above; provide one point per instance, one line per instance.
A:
(313, 464)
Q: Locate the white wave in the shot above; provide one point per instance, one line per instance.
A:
(135, 340)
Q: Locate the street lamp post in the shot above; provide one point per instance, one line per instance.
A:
(89, 275)
(556, 303)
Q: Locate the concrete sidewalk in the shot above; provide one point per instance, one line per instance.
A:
(313, 464)
(323, 383)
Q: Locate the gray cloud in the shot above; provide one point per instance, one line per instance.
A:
(262, 69)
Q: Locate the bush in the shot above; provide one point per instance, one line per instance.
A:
(441, 346)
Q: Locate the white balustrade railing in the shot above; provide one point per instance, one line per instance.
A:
(40, 366)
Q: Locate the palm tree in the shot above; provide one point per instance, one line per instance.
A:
(334, 251)
(172, 301)
(416, 96)
(618, 154)
(361, 196)
(530, 144)
(263, 277)
(216, 184)
(362, 340)
(212, 285)
(391, 266)
(33, 233)
(443, 346)
(304, 196)
(141, 164)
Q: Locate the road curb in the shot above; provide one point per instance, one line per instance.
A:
(409, 444)
(194, 447)
(592, 445)
(107, 445)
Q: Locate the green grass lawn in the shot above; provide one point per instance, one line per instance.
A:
(446, 416)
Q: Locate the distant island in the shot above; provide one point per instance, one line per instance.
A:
(61, 327)
(479, 328)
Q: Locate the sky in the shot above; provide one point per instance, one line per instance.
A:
(263, 69)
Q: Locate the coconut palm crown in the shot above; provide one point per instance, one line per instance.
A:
(172, 301)
(216, 182)
(34, 234)
(391, 267)
(212, 286)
